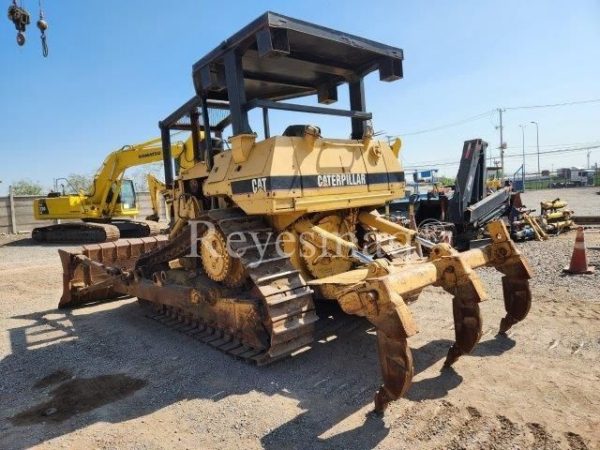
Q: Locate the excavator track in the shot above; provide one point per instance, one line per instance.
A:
(287, 308)
(76, 232)
(95, 232)
(136, 228)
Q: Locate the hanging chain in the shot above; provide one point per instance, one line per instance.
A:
(43, 26)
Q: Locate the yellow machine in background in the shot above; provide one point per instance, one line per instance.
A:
(494, 184)
(157, 189)
(108, 210)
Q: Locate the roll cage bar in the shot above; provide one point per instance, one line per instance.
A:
(272, 59)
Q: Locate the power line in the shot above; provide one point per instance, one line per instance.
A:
(489, 114)
(574, 144)
(552, 105)
(563, 150)
(563, 147)
(510, 155)
(448, 125)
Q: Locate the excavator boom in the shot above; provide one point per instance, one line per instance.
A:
(110, 199)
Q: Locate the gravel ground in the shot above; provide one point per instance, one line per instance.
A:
(106, 376)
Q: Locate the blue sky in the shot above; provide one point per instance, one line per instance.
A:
(116, 68)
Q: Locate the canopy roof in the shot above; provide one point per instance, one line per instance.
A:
(283, 58)
(271, 59)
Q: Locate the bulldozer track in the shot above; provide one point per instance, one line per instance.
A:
(286, 300)
(179, 320)
(333, 323)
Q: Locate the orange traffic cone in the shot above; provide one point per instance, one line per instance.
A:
(579, 263)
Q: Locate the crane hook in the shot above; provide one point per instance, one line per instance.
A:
(43, 26)
(20, 19)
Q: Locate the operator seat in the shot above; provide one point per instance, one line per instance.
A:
(217, 146)
(302, 130)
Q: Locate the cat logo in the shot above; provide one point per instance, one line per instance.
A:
(259, 184)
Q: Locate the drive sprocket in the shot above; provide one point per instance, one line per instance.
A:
(218, 263)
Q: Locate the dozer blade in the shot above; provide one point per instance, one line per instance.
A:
(88, 275)
(380, 297)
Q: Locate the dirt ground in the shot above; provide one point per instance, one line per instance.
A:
(106, 376)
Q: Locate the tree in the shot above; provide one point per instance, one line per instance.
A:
(139, 175)
(446, 181)
(26, 187)
(79, 182)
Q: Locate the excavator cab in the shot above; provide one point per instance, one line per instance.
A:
(76, 205)
(126, 203)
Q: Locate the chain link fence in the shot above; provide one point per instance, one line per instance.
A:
(563, 178)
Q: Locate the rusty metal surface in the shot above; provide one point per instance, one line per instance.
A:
(287, 311)
(84, 284)
(277, 315)
(397, 369)
(377, 298)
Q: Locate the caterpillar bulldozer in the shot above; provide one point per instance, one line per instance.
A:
(107, 212)
(275, 241)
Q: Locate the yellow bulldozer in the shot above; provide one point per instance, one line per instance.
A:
(269, 235)
(108, 211)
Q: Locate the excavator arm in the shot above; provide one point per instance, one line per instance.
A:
(108, 179)
(102, 200)
(109, 209)
(156, 188)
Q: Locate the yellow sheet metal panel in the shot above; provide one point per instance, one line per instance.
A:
(285, 174)
(65, 207)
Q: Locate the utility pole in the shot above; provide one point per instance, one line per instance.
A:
(537, 140)
(523, 140)
(502, 144)
(13, 214)
(588, 158)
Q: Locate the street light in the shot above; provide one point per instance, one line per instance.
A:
(523, 141)
(537, 140)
